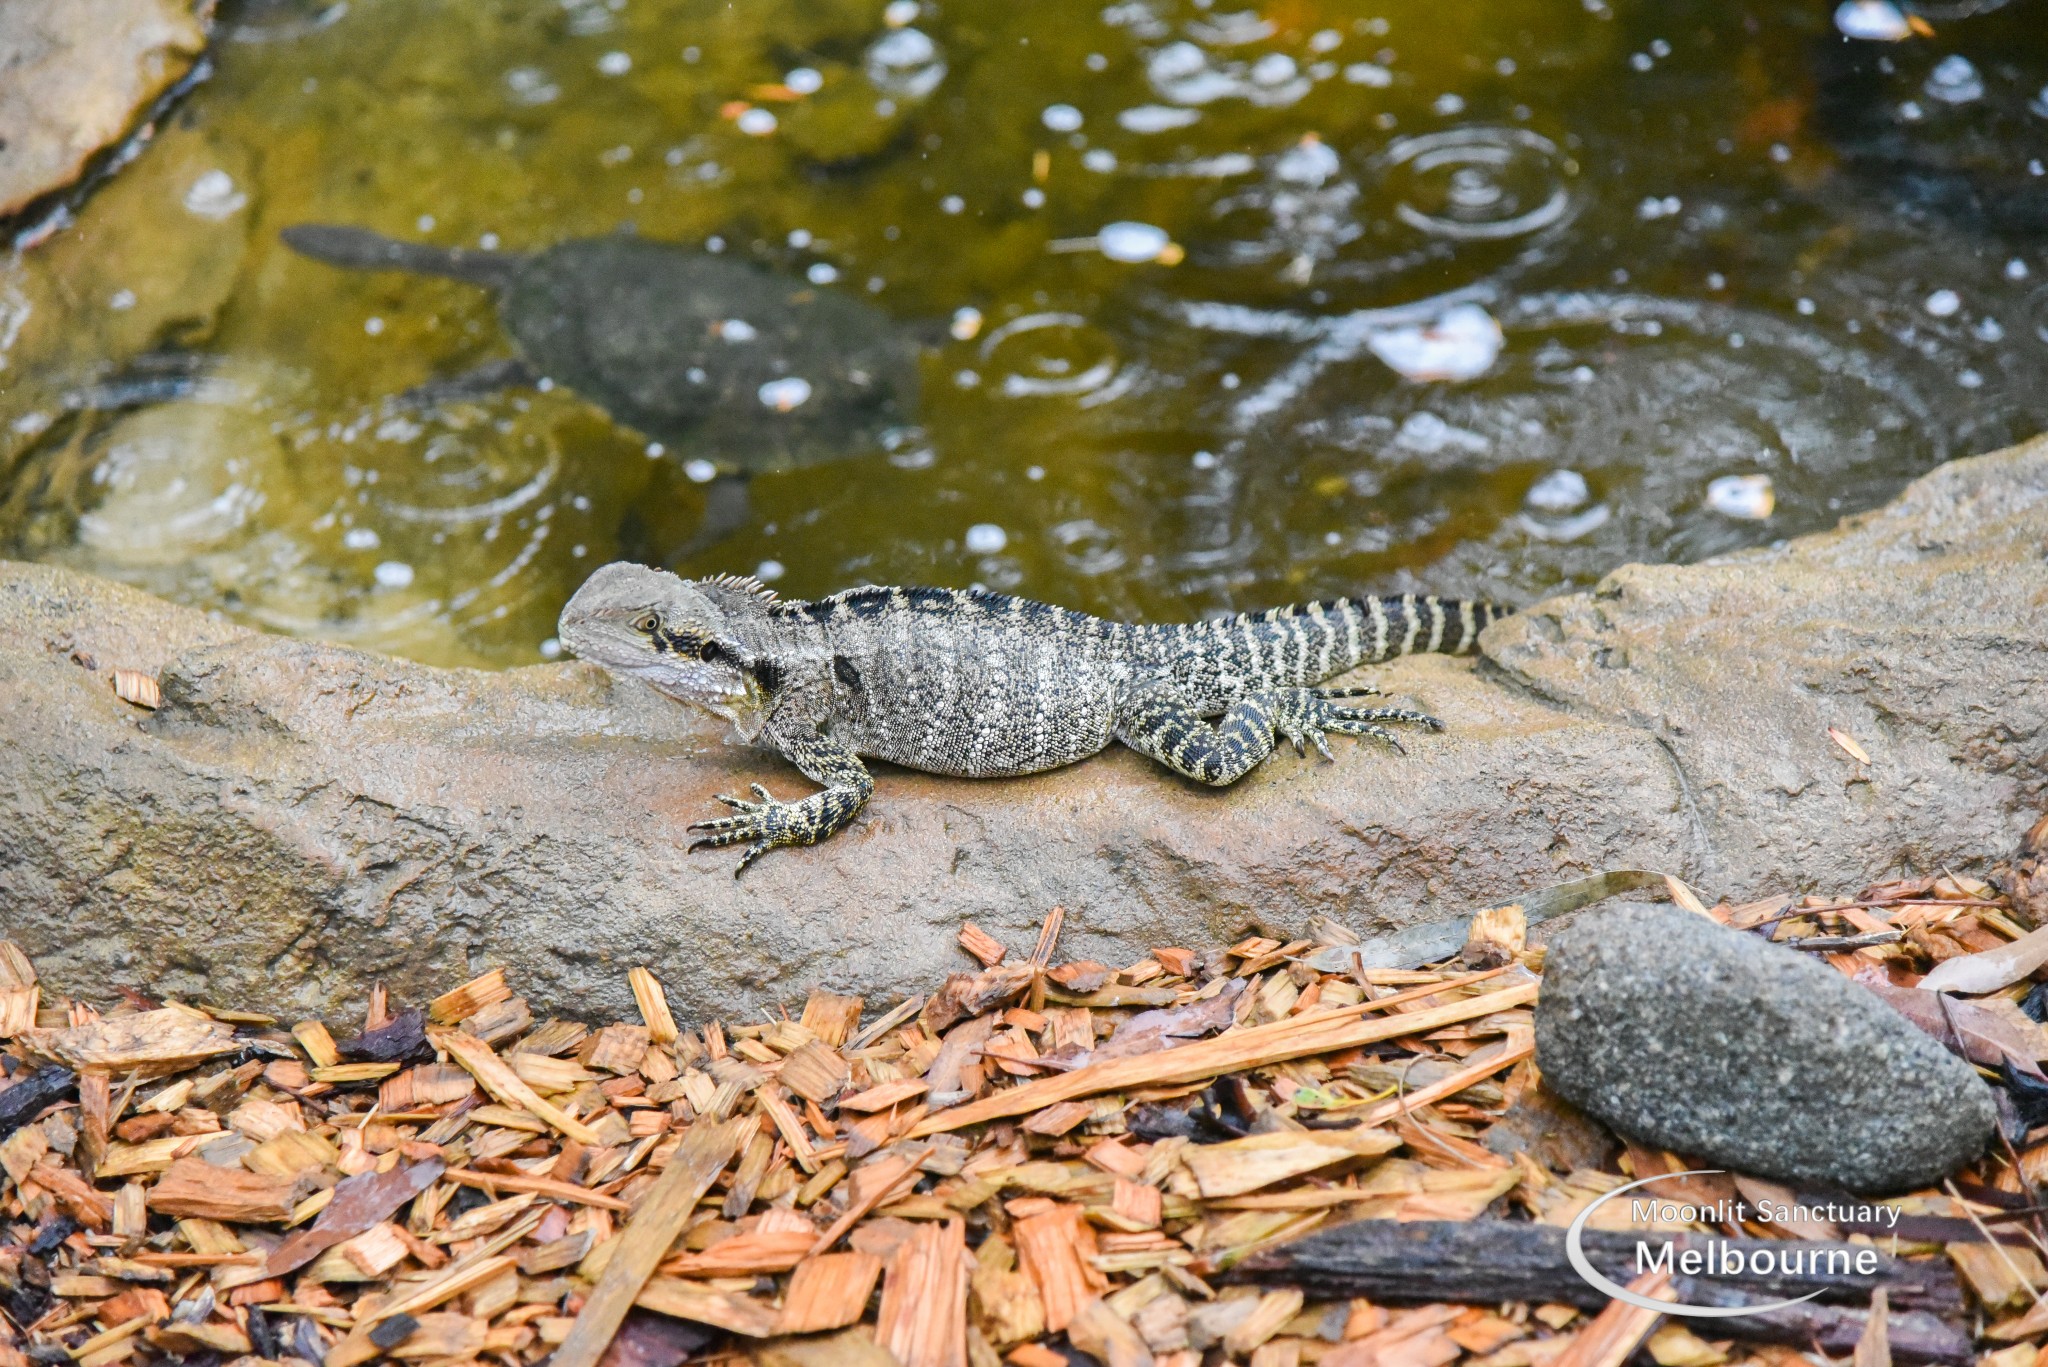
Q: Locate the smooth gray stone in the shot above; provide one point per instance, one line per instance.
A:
(1744, 1055)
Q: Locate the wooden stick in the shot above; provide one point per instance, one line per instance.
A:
(1517, 1050)
(703, 1154)
(1620, 1329)
(1229, 1053)
(495, 1076)
(539, 1186)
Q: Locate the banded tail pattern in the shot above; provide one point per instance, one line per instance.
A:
(1307, 643)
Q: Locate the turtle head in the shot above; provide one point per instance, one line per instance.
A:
(678, 636)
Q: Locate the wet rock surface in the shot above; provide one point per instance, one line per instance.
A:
(74, 76)
(300, 820)
(1741, 1054)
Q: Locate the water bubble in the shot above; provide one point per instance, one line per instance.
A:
(1560, 491)
(1369, 74)
(2015, 269)
(756, 122)
(1325, 40)
(804, 80)
(900, 12)
(361, 539)
(1157, 118)
(821, 273)
(1878, 21)
(986, 538)
(1477, 183)
(530, 85)
(374, 326)
(1954, 80)
(1309, 163)
(1099, 160)
(1132, 242)
(120, 301)
(393, 574)
(734, 330)
(952, 204)
(615, 64)
(1943, 304)
(700, 471)
(768, 571)
(1061, 118)
(214, 196)
(1462, 344)
(799, 238)
(655, 450)
(551, 649)
(905, 64)
(1033, 198)
(1275, 68)
(1426, 434)
(1448, 105)
(785, 394)
(966, 324)
(1748, 497)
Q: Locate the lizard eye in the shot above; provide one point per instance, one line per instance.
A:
(709, 651)
(646, 622)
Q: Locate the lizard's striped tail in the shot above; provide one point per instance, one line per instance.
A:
(1310, 642)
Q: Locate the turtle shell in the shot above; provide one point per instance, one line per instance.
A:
(714, 357)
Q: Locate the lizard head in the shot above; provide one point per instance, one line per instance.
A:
(670, 634)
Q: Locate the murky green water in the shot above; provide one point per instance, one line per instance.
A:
(1483, 297)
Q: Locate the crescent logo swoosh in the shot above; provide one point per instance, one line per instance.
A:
(1575, 1252)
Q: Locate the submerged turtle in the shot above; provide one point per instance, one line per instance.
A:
(743, 367)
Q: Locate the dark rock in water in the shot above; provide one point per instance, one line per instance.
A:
(723, 358)
(1735, 1052)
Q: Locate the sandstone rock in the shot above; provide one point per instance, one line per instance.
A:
(299, 820)
(1737, 1053)
(1919, 630)
(73, 75)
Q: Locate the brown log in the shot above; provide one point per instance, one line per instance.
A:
(1489, 1261)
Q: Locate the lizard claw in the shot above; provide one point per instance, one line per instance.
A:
(1355, 691)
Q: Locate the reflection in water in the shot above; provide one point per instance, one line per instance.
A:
(1164, 306)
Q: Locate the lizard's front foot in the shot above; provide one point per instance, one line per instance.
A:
(762, 826)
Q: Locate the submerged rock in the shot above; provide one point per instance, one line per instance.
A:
(300, 820)
(73, 77)
(1737, 1053)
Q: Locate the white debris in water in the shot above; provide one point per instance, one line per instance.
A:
(821, 273)
(1132, 242)
(768, 571)
(1460, 345)
(1748, 497)
(1426, 434)
(1157, 118)
(1943, 304)
(1034, 198)
(1954, 81)
(1325, 40)
(530, 85)
(804, 80)
(2015, 269)
(1034, 473)
(1205, 460)
(1099, 160)
(966, 325)
(655, 450)
(374, 326)
(1970, 379)
(424, 223)
(2039, 104)
(614, 64)
(1275, 68)
(1805, 306)
(783, 395)
(1061, 118)
(361, 539)
(900, 12)
(1309, 162)
(800, 238)
(121, 301)
(551, 649)
(214, 196)
(952, 204)
(986, 538)
(700, 471)
(393, 574)
(734, 330)
(1654, 208)
(756, 122)
(1448, 104)
(905, 64)
(1369, 74)
(1560, 491)
(1877, 21)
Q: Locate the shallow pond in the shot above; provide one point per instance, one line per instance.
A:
(1204, 305)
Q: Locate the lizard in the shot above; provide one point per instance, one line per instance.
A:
(977, 684)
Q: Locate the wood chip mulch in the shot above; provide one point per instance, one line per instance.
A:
(1041, 1162)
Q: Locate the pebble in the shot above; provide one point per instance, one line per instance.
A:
(1749, 1057)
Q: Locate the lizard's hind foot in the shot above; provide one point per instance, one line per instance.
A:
(1326, 716)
